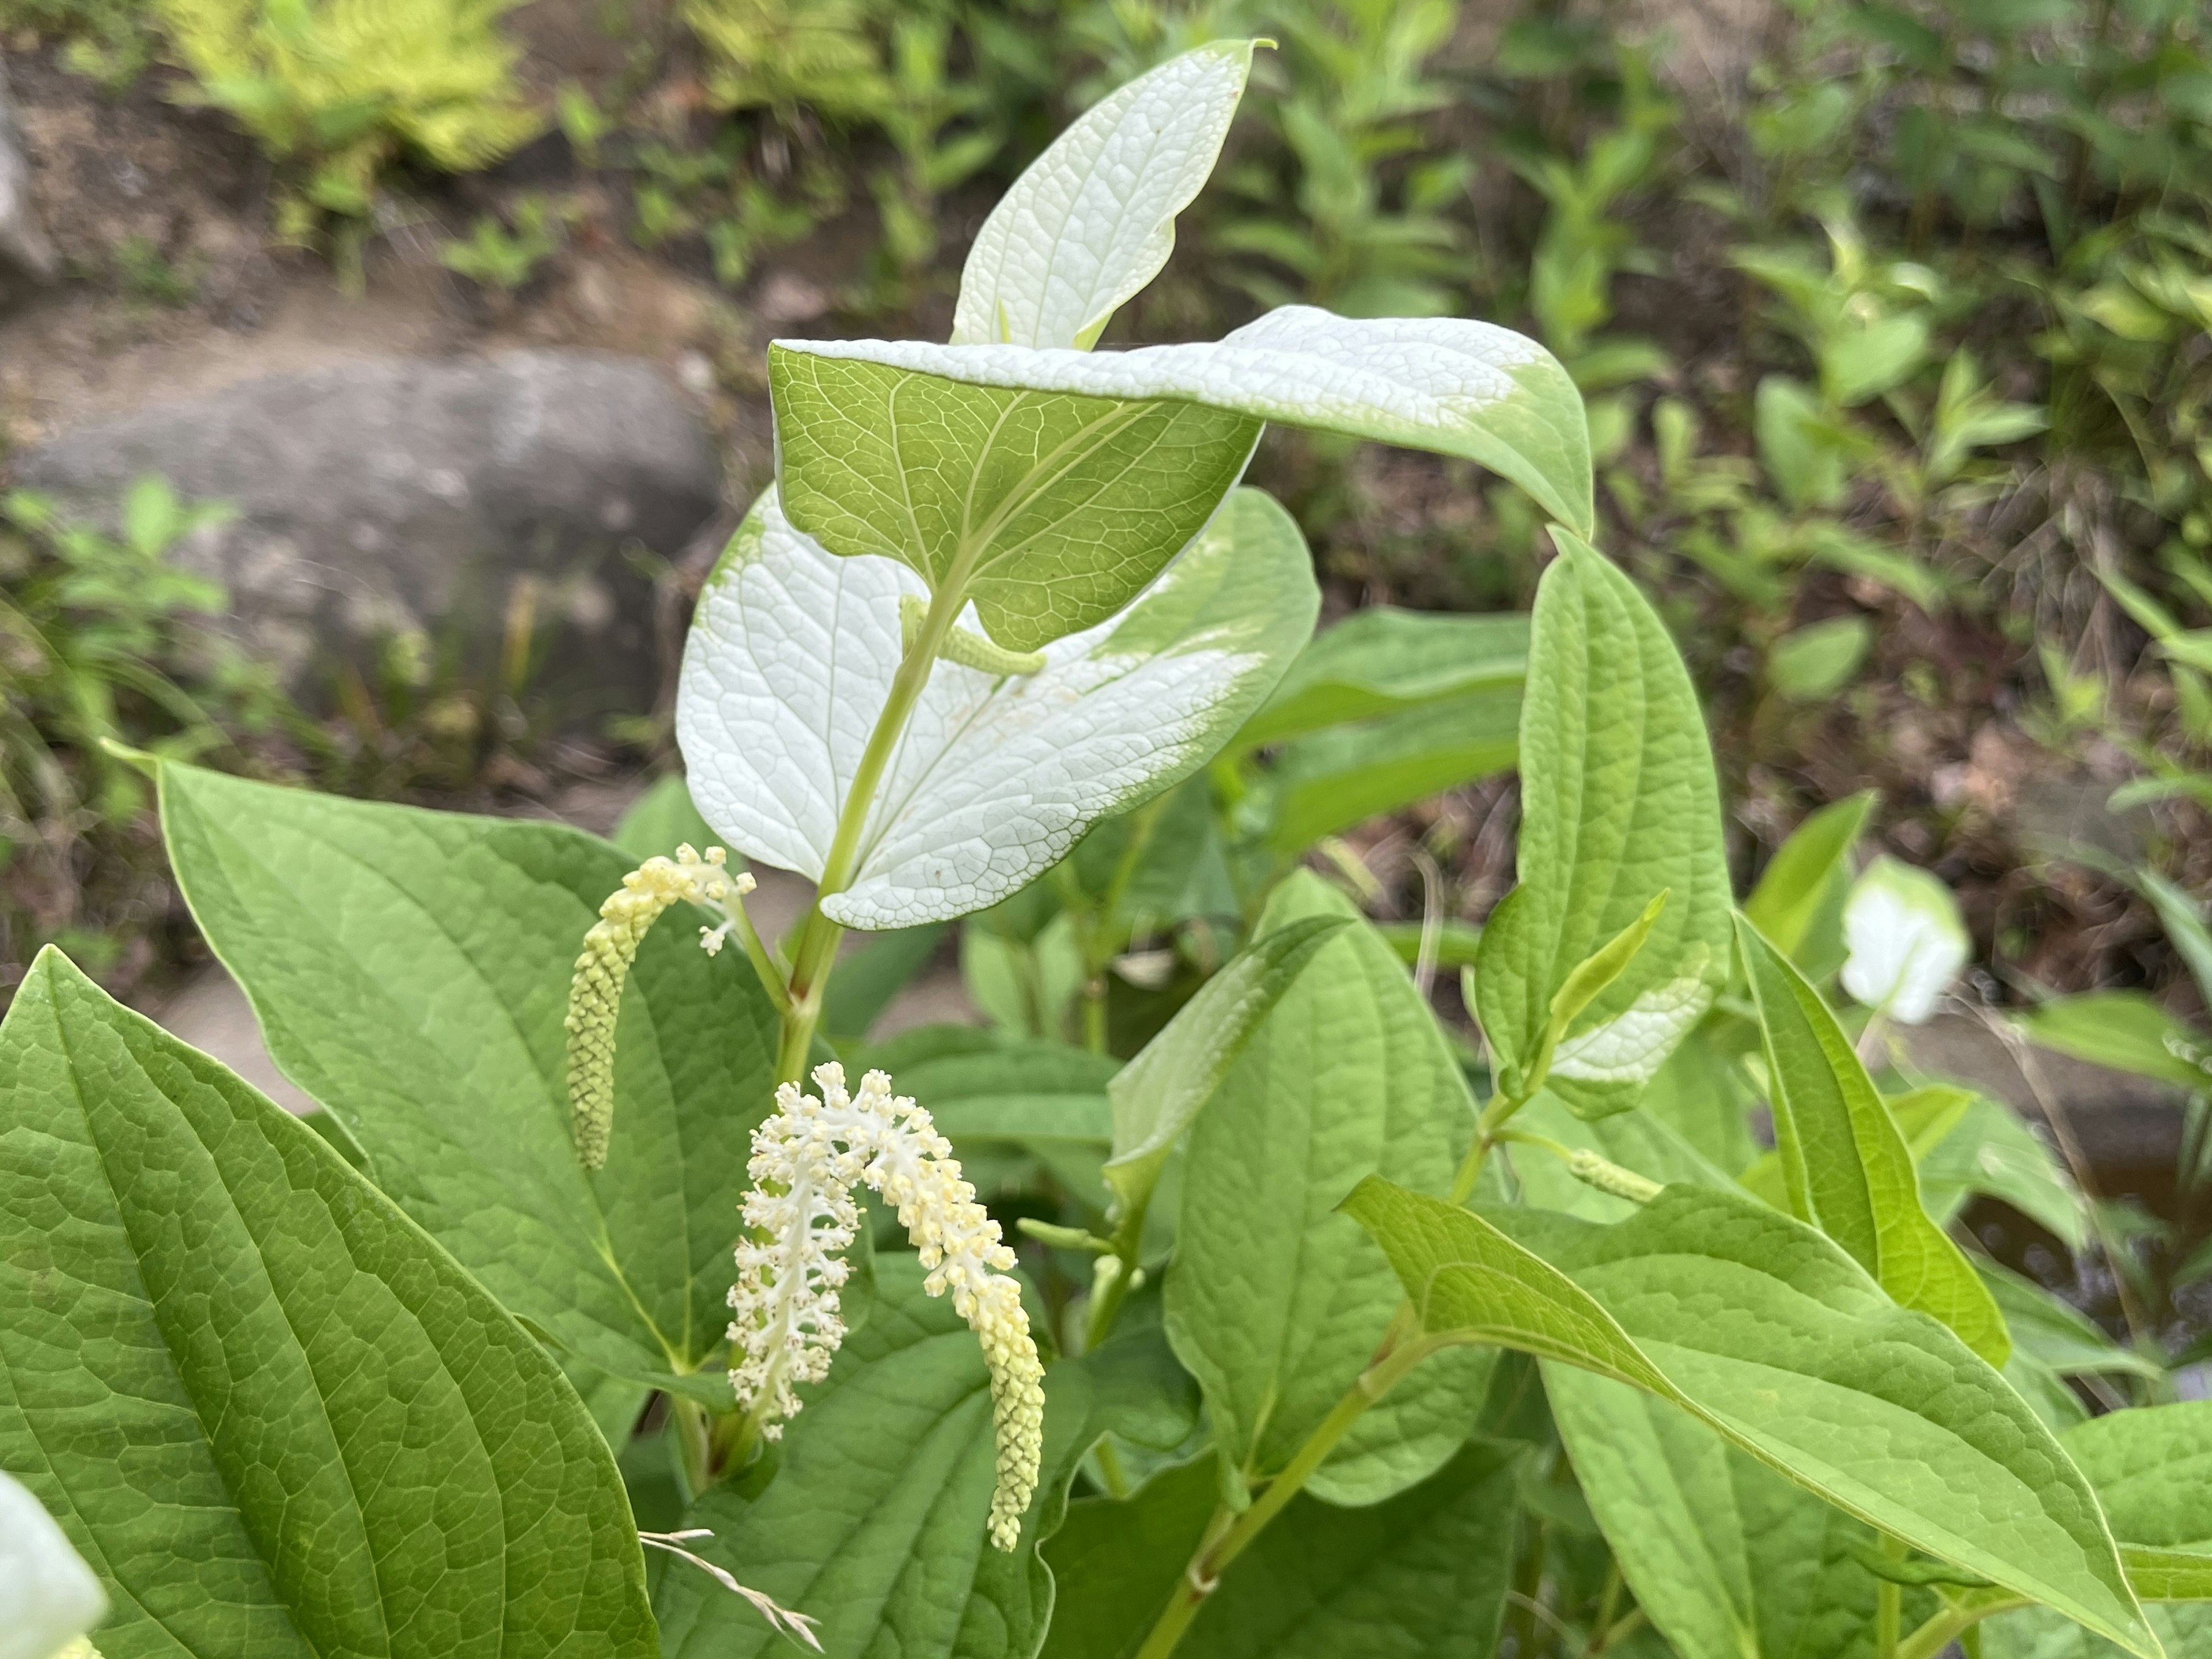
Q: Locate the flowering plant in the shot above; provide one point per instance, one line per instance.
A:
(1322, 1332)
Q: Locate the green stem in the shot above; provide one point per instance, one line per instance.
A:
(816, 954)
(1487, 1130)
(695, 1441)
(1224, 1544)
(1889, 1602)
(1944, 1628)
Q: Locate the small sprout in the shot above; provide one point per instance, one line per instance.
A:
(807, 1157)
(595, 990)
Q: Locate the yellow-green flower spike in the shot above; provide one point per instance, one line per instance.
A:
(595, 990)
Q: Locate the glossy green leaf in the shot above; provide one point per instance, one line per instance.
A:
(1277, 1303)
(791, 659)
(1729, 1560)
(1846, 1166)
(1798, 904)
(1157, 1095)
(1383, 661)
(1619, 803)
(1092, 220)
(1422, 1575)
(411, 971)
(1769, 1333)
(875, 1523)
(1445, 384)
(274, 1416)
(2125, 1030)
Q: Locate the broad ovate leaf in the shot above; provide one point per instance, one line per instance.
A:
(1844, 1162)
(874, 1524)
(1381, 660)
(1905, 941)
(1277, 1303)
(51, 1595)
(1092, 220)
(1766, 1331)
(274, 1416)
(1449, 385)
(1619, 804)
(790, 662)
(411, 971)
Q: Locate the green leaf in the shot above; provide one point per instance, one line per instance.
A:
(2124, 1030)
(1444, 384)
(1049, 510)
(1158, 1094)
(51, 1595)
(1277, 1303)
(1092, 220)
(1619, 803)
(791, 659)
(1813, 663)
(868, 979)
(875, 1523)
(1329, 780)
(978, 1085)
(272, 1412)
(1770, 1334)
(1992, 1150)
(1425, 1573)
(411, 971)
(1730, 1560)
(1383, 661)
(1641, 1141)
(661, 820)
(1798, 904)
(1846, 1166)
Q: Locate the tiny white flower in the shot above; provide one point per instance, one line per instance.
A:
(807, 1157)
(1907, 941)
(50, 1595)
(595, 990)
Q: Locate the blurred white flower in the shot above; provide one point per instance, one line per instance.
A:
(1907, 941)
(48, 1595)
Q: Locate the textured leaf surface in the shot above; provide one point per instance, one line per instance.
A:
(875, 1523)
(411, 971)
(1422, 1575)
(1157, 1095)
(1383, 661)
(1770, 1334)
(1092, 220)
(1846, 1163)
(1798, 904)
(272, 1412)
(1329, 780)
(1277, 1301)
(1445, 384)
(1730, 1560)
(1619, 802)
(790, 661)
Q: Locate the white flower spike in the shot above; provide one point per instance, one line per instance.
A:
(807, 1157)
(595, 992)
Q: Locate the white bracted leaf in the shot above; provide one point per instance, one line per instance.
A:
(1907, 941)
(1446, 384)
(1092, 220)
(791, 658)
(48, 1592)
(1632, 1046)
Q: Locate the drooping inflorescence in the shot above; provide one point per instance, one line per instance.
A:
(807, 1157)
(595, 990)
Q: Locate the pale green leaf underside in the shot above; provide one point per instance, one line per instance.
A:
(791, 658)
(411, 971)
(1845, 1163)
(1048, 511)
(1770, 1334)
(272, 1412)
(1449, 385)
(1619, 803)
(1277, 1301)
(1092, 220)
(875, 1523)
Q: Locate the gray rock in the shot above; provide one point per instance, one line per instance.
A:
(27, 258)
(432, 503)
